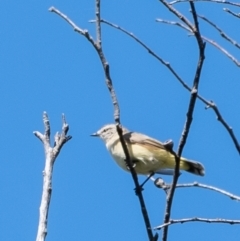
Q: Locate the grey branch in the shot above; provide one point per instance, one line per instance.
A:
(223, 34)
(51, 154)
(39, 135)
(196, 184)
(98, 24)
(222, 120)
(191, 107)
(195, 219)
(237, 15)
(98, 47)
(75, 27)
(215, 44)
(159, 182)
(178, 15)
(173, 23)
(212, 1)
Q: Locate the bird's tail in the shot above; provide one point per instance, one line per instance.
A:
(191, 166)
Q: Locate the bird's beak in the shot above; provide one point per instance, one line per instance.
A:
(95, 134)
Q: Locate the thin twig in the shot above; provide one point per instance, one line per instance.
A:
(237, 15)
(235, 61)
(98, 47)
(196, 184)
(228, 128)
(173, 23)
(206, 39)
(212, 1)
(159, 183)
(223, 34)
(195, 219)
(83, 32)
(51, 154)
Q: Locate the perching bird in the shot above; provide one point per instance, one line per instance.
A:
(147, 154)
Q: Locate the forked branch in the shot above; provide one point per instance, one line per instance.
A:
(51, 154)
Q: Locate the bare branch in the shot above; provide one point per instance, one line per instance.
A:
(224, 35)
(178, 14)
(47, 127)
(228, 128)
(50, 155)
(195, 219)
(204, 38)
(45, 138)
(212, 1)
(98, 24)
(170, 194)
(188, 122)
(196, 29)
(174, 23)
(235, 61)
(61, 139)
(39, 135)
(159, 183)
(98, 47)
(196, 184)
(209, 104)
(75, 27)
(237, 15)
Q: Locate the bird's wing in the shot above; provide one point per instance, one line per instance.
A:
(140, 139)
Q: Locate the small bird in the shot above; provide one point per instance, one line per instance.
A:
(148, 155)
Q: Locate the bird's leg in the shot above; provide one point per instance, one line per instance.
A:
(148, 177)
(140, 188)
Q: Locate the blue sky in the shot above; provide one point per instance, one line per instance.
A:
(46, 66)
